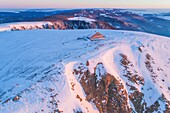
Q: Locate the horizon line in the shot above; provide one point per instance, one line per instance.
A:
(86, 8)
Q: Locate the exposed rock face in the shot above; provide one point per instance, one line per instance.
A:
(136, 96)
(104, 90)
(110, 95)
(131, 75)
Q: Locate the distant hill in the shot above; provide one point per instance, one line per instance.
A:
(154, 21)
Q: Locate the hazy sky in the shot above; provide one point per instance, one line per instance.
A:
(84, 3)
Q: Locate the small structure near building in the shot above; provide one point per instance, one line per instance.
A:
(97, 36)
(85, 38)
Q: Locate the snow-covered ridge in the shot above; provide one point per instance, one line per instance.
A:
(82, 23)
(23, 25)
(48, 71)
(82, 19)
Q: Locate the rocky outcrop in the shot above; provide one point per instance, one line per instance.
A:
(111, 95)
(107, 93)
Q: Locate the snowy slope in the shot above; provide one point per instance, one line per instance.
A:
(53, 71)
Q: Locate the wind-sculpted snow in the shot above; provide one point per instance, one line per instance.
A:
(63, 71)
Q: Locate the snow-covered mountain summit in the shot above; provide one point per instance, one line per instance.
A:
(59, 71)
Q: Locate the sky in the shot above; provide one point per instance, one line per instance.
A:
(84, 3)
